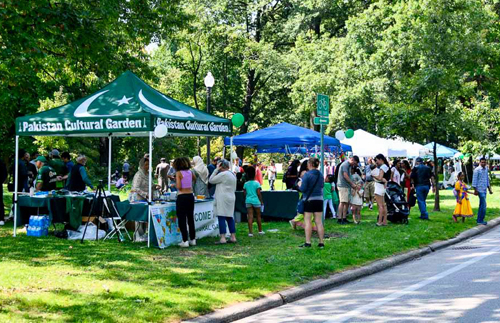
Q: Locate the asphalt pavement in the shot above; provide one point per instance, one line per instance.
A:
(457, 284)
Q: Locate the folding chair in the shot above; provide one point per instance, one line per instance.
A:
(118, 222)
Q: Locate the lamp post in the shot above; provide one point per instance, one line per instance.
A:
(209, 83)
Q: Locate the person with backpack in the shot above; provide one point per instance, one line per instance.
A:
(421, 177)
(292, 174)
(312, 187)
(381, 175)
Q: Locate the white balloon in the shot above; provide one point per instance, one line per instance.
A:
(457, 155)
(161, 130)
(340, 135)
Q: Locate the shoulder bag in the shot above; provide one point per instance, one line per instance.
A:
(300, 205)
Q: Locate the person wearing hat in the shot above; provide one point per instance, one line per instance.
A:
(161, 173)
(421, 177)
(78, 179)
(58, 165)
(47, 176)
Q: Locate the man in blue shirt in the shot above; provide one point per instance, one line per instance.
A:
(481, 184)
(421, 177)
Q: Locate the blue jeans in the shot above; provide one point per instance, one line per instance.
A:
(481, 212)
(222, 225)
(422, 192)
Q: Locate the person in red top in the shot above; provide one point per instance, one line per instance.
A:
(258, 173)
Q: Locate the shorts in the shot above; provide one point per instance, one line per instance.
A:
(379, 189)
(344, 193)
(257, 206)
(313, 206)
(369, 190)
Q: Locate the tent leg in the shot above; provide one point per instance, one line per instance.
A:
(109, 163)
(150, 191)
(231, 151)
(16, 179)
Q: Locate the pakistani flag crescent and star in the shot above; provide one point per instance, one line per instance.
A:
(126, 106)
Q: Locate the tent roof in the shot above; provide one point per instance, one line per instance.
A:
(280, 136)
(301, 150)
(442, 151)
(126, 106)
(365, 144)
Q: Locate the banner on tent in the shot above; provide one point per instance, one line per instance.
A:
(89, 125)
(193, 126)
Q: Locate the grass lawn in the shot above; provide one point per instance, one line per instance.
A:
(48, 279)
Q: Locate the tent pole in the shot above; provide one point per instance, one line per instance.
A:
(109, 163)
(150, 182)
(231, 151)
(16, 179)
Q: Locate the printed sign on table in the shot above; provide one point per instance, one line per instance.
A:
(166, 227)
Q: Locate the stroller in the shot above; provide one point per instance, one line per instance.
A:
(398, 209)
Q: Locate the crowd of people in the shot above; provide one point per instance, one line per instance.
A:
(342, 189)
(349, 186)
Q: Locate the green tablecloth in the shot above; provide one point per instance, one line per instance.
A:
(133, 211)
(61, 209)
(277, 204)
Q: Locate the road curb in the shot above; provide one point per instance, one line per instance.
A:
(242, 310)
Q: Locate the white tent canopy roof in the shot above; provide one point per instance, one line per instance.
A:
(365, 144)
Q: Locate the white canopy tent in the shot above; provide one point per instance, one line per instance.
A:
(365, 144)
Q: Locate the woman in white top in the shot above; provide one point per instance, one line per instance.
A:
(224, 199)
(395, 174)
(380, 175)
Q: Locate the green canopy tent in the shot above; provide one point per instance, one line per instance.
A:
(125, 107)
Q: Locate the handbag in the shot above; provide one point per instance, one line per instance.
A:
(301, 204)
(412, 199)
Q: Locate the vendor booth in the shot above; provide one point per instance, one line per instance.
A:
(441, 151)
(365, 144)
(125, 107)
(281, 138)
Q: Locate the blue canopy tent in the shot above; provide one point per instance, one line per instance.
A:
(441, 151)
(281, 136)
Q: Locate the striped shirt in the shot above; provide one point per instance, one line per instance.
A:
(481, 179)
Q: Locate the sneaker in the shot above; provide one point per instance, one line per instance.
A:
(321, 245)
(371, 206)
(305, 245)
(334, 216)
(2, 223)
(250, 235)
(483, 223)
(192, 242)
(184, 244)
(262, 233)
(346, 221)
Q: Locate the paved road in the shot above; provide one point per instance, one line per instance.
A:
(458, 284)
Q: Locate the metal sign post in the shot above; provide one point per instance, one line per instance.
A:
(323, 111)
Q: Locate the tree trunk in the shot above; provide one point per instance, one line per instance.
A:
(103, 151)
(246, 108)
(436, 166)
(436, 184)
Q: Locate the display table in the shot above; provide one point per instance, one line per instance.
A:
(277, 204)
(60, 209)
(164, 223)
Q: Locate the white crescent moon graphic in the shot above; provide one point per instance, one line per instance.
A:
(82, 110)
(180, 114)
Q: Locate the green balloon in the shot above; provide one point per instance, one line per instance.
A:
(349, 133)
(237, 120)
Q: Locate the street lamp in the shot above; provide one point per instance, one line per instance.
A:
(209, 83)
